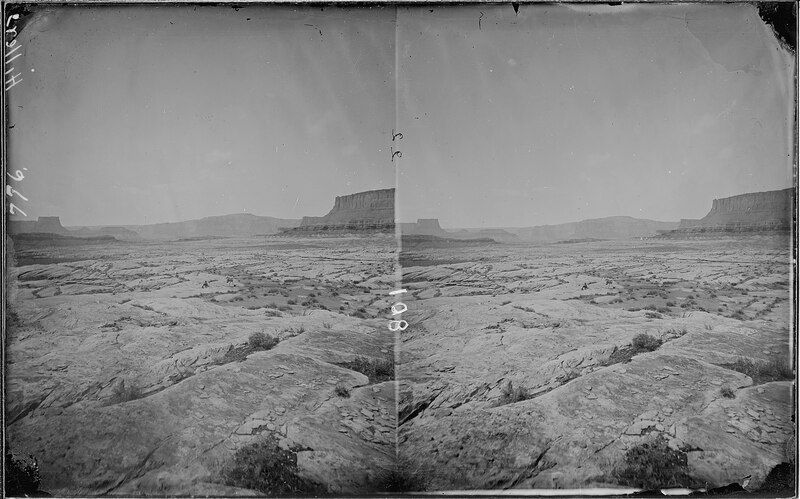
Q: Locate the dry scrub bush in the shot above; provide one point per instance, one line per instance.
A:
(125, 391)
(654, 465)
(513, 395)
(341, 390)
(261, 341)
(645, 343)
(377, 370)
(266, 467)
(762, 371)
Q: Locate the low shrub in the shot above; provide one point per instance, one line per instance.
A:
(654, 465)
(377, 370)
(261, 341)
(739, 315)
(267, 468)
(619, 356)
(511, 395)
(125, 391)
(762, 371)
(645, 343)
(341, 390)
(727, 392)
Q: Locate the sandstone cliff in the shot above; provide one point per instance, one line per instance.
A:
(369, 210)
(44, 225)
(752, 212)
(423, 227)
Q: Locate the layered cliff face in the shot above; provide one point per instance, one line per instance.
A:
(44, 225)
(755, 211)
(423, 227)
(369, 210)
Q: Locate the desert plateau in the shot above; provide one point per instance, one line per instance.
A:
(173, 368)
(644, 363)
(401, 249)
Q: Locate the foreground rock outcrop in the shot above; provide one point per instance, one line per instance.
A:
(368, 210)
(129, 370)
(517, 371)
(751, 212)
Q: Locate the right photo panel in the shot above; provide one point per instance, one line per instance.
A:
(596, 211)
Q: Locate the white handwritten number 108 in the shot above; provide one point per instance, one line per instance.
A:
(396, 325)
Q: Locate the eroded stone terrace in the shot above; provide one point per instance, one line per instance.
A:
(553, 320)
(122, 372)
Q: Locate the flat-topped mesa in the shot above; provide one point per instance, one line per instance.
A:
(752, 212)
(368, 210)
(424, 227)
(44, 225)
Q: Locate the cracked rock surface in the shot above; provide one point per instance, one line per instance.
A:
(126, 375)
(553, 320)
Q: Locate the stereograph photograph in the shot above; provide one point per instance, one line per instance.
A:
(326, 250)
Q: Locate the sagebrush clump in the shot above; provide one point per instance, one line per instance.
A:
(654, 465)
(645, 343)
(266, 467)
(512, 395)
(261, 341)
(377, 370)
(341, 391)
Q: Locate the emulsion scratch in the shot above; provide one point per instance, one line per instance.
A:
(313, 26)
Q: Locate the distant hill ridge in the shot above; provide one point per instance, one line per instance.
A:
(235, 225)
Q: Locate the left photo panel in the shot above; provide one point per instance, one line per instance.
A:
(200, 250)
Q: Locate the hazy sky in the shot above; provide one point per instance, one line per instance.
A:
(563, 113)
(144, 114)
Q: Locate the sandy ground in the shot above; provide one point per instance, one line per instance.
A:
(123, 378)
(553, 320)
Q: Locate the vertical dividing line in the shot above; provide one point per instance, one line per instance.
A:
(398, 240)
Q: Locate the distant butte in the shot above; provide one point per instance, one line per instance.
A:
(423, 227)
